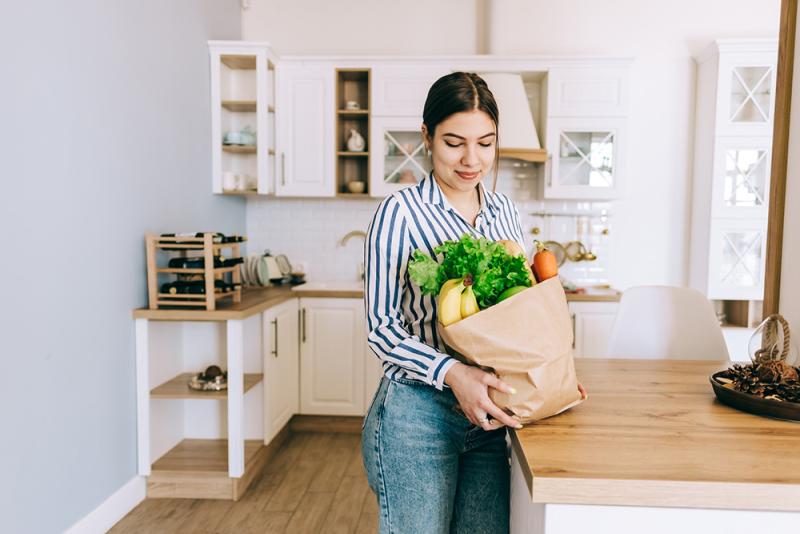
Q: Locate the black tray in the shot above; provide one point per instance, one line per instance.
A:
(746, 402)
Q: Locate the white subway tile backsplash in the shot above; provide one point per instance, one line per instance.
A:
(309, 230)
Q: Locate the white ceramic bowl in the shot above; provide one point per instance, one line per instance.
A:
(356, 187)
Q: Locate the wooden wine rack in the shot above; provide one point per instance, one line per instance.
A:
(183, 246)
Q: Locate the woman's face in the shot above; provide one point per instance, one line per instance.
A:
(463, 148)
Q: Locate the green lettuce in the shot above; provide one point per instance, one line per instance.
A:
(492, 268)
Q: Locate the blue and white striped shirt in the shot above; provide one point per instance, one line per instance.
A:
(401, 322)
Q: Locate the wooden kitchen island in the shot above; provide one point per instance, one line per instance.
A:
(652, 450)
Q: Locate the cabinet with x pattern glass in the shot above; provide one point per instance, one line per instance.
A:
(733, 141)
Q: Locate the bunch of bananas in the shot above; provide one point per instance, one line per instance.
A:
(457, 300)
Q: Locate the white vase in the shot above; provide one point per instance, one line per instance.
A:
(355, 143)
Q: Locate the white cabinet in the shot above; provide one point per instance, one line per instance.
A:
(737, 259)
(740, 181)
(401, 90)
(733, 140)
(585, 160)
(588, 91)
(746, 94)
(242, 117)
(592, 322)
(586, 135)
(399, 157)
(332, 352)
(281, 353)
(305, 122)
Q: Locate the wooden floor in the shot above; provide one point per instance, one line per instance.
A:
(315, 483)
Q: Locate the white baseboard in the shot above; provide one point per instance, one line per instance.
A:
(105, 516)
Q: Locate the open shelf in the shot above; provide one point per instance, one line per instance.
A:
(353, 195)
(187, 270)
(239, 149)
(239, 62)
(240, 105)
(353, 89)
(177, 388)
(198, 469)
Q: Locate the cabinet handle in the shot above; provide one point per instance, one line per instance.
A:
(303, 325)
(548, 170)
(275, 335)
(283, 168)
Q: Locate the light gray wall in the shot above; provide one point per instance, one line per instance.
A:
(104, 135)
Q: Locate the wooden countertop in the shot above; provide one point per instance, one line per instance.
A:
(652, 433)
(254, 300)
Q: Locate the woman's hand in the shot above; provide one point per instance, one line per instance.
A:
(471, 387)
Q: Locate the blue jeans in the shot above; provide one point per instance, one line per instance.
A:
(431, 469)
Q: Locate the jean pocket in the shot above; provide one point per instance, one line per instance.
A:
(409, 381)
(370, 409)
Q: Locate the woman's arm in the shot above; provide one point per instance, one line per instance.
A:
(387, 251)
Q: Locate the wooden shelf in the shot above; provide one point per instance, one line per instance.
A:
(185, 299)
(534, 155)
(198, 469)
(353, 195)
(240, 105)
(239, 62)
(245, 193)
(177, 388)
(353, 112)
(239, 149)
(347, 154)
(187, 270)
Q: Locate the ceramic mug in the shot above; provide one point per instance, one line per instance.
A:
(228, 181)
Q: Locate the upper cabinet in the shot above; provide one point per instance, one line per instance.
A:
(587, 119)
(585, 160)
(400, 158)
(351, 127)
(746, 73)
(305, 120)
(242, 117)
(587, 91)
(401, 90)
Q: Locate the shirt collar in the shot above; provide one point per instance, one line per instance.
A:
(431, 193)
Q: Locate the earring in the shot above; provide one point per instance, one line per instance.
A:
(429, 152)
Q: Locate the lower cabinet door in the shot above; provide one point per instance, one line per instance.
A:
(281, 367)
(593, 322)
(332, 352)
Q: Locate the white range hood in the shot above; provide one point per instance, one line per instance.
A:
(517, 135)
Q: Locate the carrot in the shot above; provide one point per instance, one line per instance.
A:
(544, 262)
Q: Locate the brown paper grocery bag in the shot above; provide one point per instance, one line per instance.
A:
(527, 341)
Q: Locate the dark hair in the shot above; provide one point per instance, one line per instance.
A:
(457, 92)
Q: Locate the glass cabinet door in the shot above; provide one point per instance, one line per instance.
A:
(400, 158)
(751, 94)
(585, 158)
(741, 177)
(746, 93)
(736, 267)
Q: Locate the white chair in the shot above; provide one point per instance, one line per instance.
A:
(666, 322)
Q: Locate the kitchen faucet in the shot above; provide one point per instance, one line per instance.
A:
(348, 237)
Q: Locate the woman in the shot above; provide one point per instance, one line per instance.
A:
(432, 467)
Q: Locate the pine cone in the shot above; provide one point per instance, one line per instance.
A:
(776, 372)
(773, 380)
